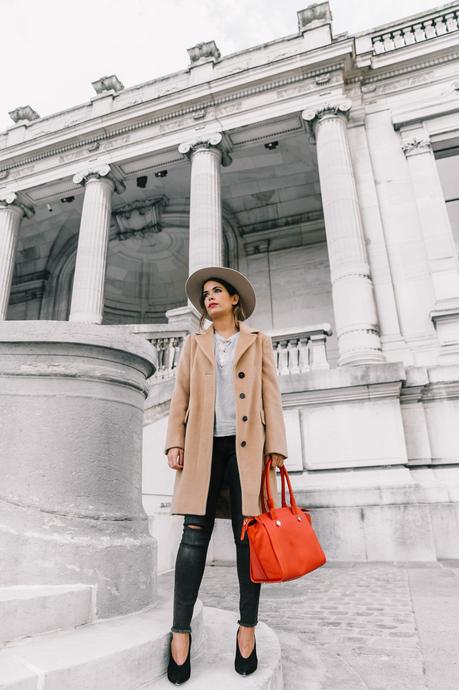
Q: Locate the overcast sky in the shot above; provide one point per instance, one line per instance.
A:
(51, 50)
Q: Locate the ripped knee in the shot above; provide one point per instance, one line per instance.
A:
(196, 535)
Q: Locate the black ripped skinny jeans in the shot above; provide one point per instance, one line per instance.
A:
(191, 556)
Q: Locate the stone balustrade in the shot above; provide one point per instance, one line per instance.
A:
(296, 351)
(434, 24)
(301, 350)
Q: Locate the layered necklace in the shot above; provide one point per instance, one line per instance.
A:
(223, 345)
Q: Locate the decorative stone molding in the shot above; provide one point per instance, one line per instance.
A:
(4, 174)
(139, 219)
(204, 52)
(9, 198)
(97, 171)
(313, 16)
(415, 146)
(23, 114)
(205, 140)
(108, 135)
(111, 83)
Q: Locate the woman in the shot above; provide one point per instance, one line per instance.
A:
(225, 421)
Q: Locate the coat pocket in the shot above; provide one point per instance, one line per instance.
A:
(262, 415)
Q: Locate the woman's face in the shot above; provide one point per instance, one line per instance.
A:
(217, 299)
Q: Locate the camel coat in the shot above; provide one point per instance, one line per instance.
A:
(260, 427)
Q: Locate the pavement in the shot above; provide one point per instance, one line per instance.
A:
(357, 626)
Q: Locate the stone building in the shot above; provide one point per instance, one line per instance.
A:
(326, 168)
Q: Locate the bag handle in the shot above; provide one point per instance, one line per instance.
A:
(265, 484)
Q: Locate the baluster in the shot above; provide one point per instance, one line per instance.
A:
(318, 351)
(419, 34)
(399, 41)
(283, 357)
(388, 42)
(294, 356)
(451, 21)
(440, 26)
(304, 354)
(429, 29)
(276, 349)
(409, 36)
(378, 45)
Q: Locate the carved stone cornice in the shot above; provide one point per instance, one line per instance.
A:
(415, 146)
(205, 140)
(9, 199)
(107, 134)
(97, 171)
(23, 114)
(139, 218)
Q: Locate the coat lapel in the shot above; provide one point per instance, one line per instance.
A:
(205, 340)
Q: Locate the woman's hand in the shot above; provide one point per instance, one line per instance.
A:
(276, 459)
(175, 458)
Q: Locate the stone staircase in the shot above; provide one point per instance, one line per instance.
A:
(50, 641)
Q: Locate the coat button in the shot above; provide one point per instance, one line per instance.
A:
(245, 418)
(241, 374)
(242, 395)
(243, 444)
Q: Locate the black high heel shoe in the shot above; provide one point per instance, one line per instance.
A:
(179, 673)
(245, 665)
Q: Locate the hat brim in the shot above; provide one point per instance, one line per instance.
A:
(244, 288)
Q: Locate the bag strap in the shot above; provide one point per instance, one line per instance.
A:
(265, 486)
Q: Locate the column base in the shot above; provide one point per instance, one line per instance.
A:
(361, 357)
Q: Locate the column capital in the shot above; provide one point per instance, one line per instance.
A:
(99, 171)
(327, 110)
(9, 199)
(205, 140)
(415, 146)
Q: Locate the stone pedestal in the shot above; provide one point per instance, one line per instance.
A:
(353, 297)
(71, 414)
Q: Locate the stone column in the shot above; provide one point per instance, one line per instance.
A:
(438, 239)
(405, 245)
(352, 289)
(11, 214)
(206, 240)
(89, 280)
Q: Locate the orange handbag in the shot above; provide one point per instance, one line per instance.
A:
(283, 544)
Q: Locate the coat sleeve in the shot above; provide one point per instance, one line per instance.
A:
(175, 437)
(275, 437)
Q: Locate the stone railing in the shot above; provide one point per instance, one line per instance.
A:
(301, 350)
(296, 351)
(431, 26)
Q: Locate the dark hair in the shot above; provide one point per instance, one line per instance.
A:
(238, 310)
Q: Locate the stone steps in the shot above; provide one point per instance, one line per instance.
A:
(123, 653)
(30, 610)
(131, 653)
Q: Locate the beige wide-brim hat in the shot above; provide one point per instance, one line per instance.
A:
(243, 287)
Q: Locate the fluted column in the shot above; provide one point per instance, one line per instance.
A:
(88, 283)
(352, 288)
(11, 214)
(438, 239)
(433, 216)
(206, 241)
